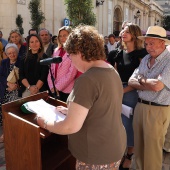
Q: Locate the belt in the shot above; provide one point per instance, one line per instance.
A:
(150, 103)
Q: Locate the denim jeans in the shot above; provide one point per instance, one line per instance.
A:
(130, 99)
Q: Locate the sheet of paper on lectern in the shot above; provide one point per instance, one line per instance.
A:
(127, 111)
(46, 110)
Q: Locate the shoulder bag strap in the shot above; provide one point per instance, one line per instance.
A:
(16, 77)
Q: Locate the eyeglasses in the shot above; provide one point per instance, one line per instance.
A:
(11, 53)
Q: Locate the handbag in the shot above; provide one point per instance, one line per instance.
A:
(13, 77)
(26, 93)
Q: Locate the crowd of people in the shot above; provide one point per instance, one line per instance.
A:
(33, 77)
(97, 77)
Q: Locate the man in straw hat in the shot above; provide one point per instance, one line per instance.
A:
(152, 112)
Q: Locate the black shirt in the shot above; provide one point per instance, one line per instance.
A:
(33, 71)
(126, 63)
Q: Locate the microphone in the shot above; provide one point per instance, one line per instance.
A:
(48, 61)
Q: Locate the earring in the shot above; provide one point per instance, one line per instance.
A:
(29, 48)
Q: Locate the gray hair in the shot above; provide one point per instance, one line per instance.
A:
(11, 45)
(44, 29)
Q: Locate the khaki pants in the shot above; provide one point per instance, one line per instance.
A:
(150, 125)
(167, 140)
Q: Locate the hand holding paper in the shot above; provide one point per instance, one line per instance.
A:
(127, 111)
(45, 110)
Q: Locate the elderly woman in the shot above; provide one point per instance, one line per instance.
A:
(8, 91)
(16, 38)
(97, 137)
(64, 72)
(33, 76)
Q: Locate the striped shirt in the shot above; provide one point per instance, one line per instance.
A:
(161, 71)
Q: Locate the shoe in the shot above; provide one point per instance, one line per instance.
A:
(166, 147)
(129, 157)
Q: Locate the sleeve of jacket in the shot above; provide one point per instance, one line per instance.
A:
(68, 77)
(3, 77)
(65, 75)
(21, 70)
(44, 70)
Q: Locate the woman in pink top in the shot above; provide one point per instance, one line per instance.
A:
(64, 72)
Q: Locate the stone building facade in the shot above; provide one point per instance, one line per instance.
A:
(142, 12)
(109, 16)
(165, 4)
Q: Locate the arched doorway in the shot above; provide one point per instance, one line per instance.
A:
(117, 21)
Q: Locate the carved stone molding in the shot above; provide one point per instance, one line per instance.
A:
(22, 2)
(125, 1)
(131, 6)
(145, 13)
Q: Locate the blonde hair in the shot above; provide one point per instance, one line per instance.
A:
(17, 32)
(66, 28)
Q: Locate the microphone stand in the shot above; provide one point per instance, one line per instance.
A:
(52, 78)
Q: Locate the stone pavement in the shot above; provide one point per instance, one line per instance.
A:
(165, 165)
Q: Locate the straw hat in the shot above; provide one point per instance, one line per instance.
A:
(156, 32)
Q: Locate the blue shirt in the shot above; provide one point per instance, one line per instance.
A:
(4, 42)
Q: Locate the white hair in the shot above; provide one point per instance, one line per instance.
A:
(11, 45)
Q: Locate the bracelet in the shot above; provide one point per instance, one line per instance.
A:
(45, 124)
(28, 87)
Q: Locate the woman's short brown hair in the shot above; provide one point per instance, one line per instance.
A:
(86, 40)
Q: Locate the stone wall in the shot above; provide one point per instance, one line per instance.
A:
(111, 12)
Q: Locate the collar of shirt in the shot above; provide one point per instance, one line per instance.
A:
(45, 47)
(160, 57)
